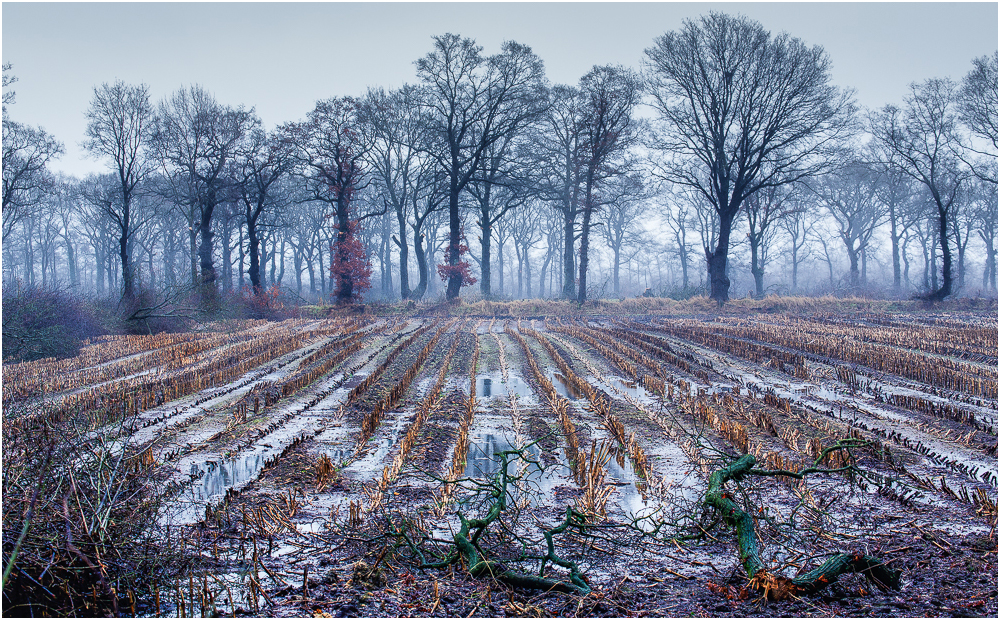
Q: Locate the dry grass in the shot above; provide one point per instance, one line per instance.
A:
(667, 307)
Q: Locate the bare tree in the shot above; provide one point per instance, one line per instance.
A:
(260, 162)
(98, 193)
(331, 147)
(977, 108)
(849, 194)
(194, 140)
(395, 160)
(679, 215)
(622, 220)
(500, 187)
(764, 209)
(609, 94)
(741, 110)
(797, 227)
(27, 152)
(119, 122)
(471, 102)
(923, 137)
(555, 148)
(985, 213)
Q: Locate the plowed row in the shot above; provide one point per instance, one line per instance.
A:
(290, 432)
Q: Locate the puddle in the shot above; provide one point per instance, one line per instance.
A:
(214, 478)
(562, 385)
(493, 386)
(390, 432)
(483, 461)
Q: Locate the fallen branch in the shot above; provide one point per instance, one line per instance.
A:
(778, 587)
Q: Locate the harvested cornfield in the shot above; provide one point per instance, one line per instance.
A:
(488, 466)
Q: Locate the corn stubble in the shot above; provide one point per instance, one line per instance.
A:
(81, 497)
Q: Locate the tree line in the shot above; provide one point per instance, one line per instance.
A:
(730, 144)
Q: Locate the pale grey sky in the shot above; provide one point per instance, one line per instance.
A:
(281, 57)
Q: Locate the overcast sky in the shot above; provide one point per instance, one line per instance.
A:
(280, 58)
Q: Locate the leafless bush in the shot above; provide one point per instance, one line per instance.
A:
(78, 522)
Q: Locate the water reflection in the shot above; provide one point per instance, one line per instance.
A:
(562, 385)
(214, 478)
(484, 461)
(493, 386)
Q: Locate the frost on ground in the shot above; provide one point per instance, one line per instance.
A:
(354, 467)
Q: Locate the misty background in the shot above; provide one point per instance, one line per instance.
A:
(324, 156)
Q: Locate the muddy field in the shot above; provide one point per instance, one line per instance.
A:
(319, 467)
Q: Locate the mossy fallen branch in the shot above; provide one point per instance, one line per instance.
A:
(776, 586)
(468, 551)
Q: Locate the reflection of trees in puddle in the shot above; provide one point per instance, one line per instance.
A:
(217, 477)
(338, 455)
(562, 385)
(211, 480)
(493, 386)
(483, 462)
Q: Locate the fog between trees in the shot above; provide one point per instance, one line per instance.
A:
(726, 164)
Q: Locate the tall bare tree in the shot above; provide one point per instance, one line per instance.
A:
(119, 124)
(923, 136)
(556, 147)
(195, 139)
(610, 94)
(741, 110)
(622, 221)
(850, 196)
(977, 108)
(260, 163)
(765, 209)
(331, 148)
(396, 162)
(471, 102)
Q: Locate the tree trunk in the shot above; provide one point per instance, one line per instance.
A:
(74, 278)
(543, 272)
(242, 257)
(588, 212)
(404, 255)
(281, 260)
(311, 269)
(946, 279)
(128, 286)
(254, 258)
(718, 259)
(584, 253)
(756, 269)
(682, 250)
(990, 269)
(795, 266)
(500, 264)
(209, 294)
(852, 255)
(454, 233)
(616, 269)
(422, 268)
(99, 269)
(297, 264)
(344, 285)
(486, 230)
(568, 256)
(193, 229)
(227, 259)
(527, 275)
(897, 276)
